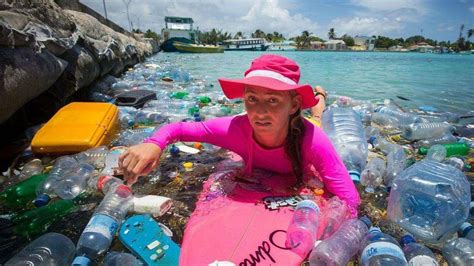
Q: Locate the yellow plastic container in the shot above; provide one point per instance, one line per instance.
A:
(76, 127)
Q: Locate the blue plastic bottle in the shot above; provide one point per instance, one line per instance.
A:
(381, 249)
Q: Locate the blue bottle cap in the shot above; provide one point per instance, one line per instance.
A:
(374, 229)
(174, 150)
(308, 204)
(41, 200)
(465, 228)
(372, 140)
(406, 239)
(81, 261)
(355, 176)
(366, 221)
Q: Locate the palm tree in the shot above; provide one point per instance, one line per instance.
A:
(258, 34)
(239, 35)
(306, 39)
(331, 34)
(470, 32)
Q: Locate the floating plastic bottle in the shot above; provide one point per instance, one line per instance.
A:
(373, 174)
(452, 149)
(444, 139)
(95, 156)
(150, 118)
(381, 249)
(467, 231)
(334, 213)
(48, 249)
(396, 157)
(429, 199)
(426, 130)
(459, 252)
(403, 118)
(385, 120)
(37, 221)
(437, 153)
(417, 254)
(126, 120)
(115, 258)
(63, 166)
(19, 196)
(33, 167)
(346, 132)
(99, 232)
(74, 183)
(342, 245)
(303, 228)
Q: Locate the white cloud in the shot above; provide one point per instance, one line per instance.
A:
(365, 26)
(471, 9)
(391, 5)
(231, 16)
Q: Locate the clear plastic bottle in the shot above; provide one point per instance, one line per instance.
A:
(345, 129)
(426, 130)
(302, 231)
(373, 174)
(437, 153)
(396, 157)
(99, 232)
(459, 252)
(417, 254)
(95, 156)
(342, 245)
(430, 200)
(381, 249)
(48, 249)
(63, 166)
(467, 231)
(115, 258)
(334, 213)
(33, 167)
(403, 118)
(126, 120)
(74, 183)
(144, 117)
(385, 120)
(443, 139)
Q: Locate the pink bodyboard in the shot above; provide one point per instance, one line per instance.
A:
(240, 221)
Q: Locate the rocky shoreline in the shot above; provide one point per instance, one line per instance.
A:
(49, 51)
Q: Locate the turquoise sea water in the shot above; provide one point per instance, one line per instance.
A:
(443, 81)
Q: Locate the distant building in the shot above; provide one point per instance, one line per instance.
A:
(317, 45)
(421, 47)
(335, 45)
(283, 46)
(367, 42)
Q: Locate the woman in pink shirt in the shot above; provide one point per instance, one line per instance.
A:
(272, 135)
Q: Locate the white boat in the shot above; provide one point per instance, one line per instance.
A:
(177, 29)
(252, 44)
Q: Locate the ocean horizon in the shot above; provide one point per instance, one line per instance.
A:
(444, 81)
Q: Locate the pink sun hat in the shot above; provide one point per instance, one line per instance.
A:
(273, 72)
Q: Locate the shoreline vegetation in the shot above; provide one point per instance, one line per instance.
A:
(307, 41)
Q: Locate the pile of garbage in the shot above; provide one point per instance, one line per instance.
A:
(413, 170)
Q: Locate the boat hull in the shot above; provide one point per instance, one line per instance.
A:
(192, 48)
(167, 46)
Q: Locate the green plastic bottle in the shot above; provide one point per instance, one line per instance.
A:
(179, 95)
(452, 149)
(37, 221)
(204, 100)
(21, 195)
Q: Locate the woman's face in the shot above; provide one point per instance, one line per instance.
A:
(269, 110)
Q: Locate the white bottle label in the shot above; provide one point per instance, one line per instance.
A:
(378, 248)
(422, 260)
(102, 224)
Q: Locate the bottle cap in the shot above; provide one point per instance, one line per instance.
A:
(41, 200)
(174, 150)
(308, 204)
(188, 166)
(123, 191)
(366, 221)
(318, 191)
(372, 140)
(465, 228)
(197, 145)
(406, 239)
(81, 261)
(355, 176)
(374, 229)
(102, 180)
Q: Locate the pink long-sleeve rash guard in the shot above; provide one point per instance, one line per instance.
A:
(236, 134)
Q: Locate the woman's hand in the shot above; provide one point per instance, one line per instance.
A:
(139, 160)
(317, 110)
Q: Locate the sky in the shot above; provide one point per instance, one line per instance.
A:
(435, 19)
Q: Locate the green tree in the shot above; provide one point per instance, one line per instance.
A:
(331, 34)
(239, 35)
(348, 40)
(153, 35)
(259, 34)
